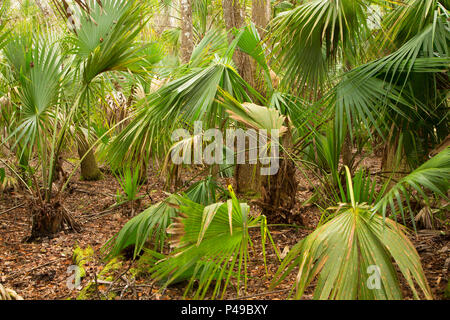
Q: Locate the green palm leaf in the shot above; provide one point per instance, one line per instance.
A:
(38, 70)
(179, 103)
(433, 175)
(352, 255)
(105, 39)
(410, 18)
(151, 225)
(309, 38)
(212, 245)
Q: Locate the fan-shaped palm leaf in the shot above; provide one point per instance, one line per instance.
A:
(309, 38)
(212, 245)
(105, 39)
(352, 256)
(433, 175)
(38, 71)
(179, 103)
(150, 225)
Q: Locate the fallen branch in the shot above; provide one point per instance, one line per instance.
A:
(13, 208)
(32, 269)
(263, 294)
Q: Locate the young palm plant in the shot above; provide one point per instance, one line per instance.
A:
(149, 227)
(104, 41)
(178, 104)
(352, 254)
(212, 247)
(42, 124)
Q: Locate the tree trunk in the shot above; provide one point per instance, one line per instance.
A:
(89, 168)
(187, 43)
(248, 178)
(261, 14)
(279, 190)
(232, 14)
(347, 152)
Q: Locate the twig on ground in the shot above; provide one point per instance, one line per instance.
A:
(13, 208)
(32, 269)
(263, 294)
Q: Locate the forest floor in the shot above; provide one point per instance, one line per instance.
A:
(40, 270)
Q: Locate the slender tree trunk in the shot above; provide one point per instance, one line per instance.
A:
(187, 44)
(261, 14)
(347, 152)
(232, 14)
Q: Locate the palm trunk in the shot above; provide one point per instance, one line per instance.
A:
(49, 218)
(261, 13)
(89, 168)
(279, 190)
(347, 152)
(248, 178)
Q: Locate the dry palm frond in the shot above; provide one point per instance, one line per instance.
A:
(8, 294)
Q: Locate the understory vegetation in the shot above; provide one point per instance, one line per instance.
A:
(94, 89)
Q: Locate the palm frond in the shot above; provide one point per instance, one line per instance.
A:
(352, 255)
(212, 246)
(410, 18)
(433, 175)
(309, 38)
(105, 39)
(150, 225)
(179, 103)
(253, 115)
(38, 70)
(387, 85)
(205, 191)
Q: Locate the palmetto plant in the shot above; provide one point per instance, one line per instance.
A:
(402, 94)
(433, 175)
(342, 251)
(177, 104)
(278, 187)
(211, 241)
(104, 41)
(149, 225)
(42, 122)
(48, 110)
(310, 39)
(360, 236)
(212, 246)
(129, 181)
